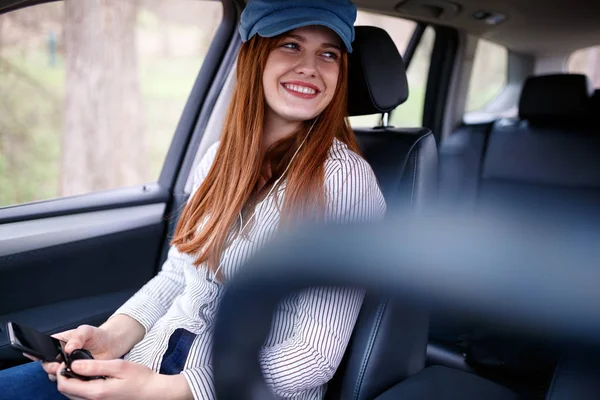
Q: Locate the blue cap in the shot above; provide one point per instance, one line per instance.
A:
(270, 18)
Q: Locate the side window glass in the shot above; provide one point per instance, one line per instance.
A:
(400, 30)
(587, 62)
(410, 114)
(489, 77)
(92, 91)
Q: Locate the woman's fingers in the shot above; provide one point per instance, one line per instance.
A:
(64, 336)
(76, 389)
(113, 368)
(78, 338)
(51, 368)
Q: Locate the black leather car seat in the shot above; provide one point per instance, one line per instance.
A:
(542, 168)
(389, 340)
(543, 164)
(386, 354)
(404, 159)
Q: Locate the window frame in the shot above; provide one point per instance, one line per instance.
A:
(407, 57)
(519, 67)
(481, 42)
(409, 52)
(24, 4)
(442, 79)
(414, 43)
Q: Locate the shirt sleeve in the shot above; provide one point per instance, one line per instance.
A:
(352, 191)
(201, 382)
(154, 299)
(323, 318)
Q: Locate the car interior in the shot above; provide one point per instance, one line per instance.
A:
(530, 153)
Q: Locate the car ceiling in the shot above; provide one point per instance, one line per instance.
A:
(538, 27)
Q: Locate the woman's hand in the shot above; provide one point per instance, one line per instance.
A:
(125, 380)
(96, 340)
(112, 340)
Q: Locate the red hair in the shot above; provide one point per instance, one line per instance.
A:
(233, 179)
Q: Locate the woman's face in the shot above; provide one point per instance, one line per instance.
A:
(301, 73)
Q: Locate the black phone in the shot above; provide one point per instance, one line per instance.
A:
(34, 343)
(46, 348)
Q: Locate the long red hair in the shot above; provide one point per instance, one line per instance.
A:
(232, 182)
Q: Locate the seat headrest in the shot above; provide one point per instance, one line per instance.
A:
(377, 76)
(555, 97)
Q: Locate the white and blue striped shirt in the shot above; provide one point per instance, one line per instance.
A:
(310, 330)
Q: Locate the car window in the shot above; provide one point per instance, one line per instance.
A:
(586, 61)
(92, 92)
(401, 31)
(410, 113)
(489, 75)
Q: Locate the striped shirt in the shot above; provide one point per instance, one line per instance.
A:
(310, 330)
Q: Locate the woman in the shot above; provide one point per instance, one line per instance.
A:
(286, 156)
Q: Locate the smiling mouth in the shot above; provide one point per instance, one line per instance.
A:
(301, 90)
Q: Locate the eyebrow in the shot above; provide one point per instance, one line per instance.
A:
(303, 39)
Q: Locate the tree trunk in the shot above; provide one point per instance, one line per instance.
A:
(103, 141)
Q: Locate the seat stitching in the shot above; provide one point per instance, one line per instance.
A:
(415, 148)
(369, 349)
(412, 193)
(553, 382)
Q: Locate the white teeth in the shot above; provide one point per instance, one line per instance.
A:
(300, 89)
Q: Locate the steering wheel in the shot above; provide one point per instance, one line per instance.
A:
(529, 277)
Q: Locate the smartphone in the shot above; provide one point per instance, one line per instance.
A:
(34, 343)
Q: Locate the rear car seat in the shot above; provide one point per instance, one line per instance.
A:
(388, 345)
(542, 168)
(544, 162)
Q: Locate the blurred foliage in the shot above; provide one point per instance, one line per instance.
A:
(30, 133)
(410, 114)
(171, 39)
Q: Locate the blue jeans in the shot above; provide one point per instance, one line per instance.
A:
(174, 358)
(27, 381)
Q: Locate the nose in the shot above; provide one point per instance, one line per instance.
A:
(307, 65)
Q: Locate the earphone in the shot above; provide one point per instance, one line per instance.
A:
(243, 226)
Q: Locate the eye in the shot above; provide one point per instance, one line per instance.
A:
(291, 46)
(331, 55)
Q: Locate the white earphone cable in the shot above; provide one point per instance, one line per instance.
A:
(243, 227)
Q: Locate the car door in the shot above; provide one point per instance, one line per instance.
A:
(103, 105)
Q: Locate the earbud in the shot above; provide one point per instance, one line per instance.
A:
(243, 226)
(79, 354)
